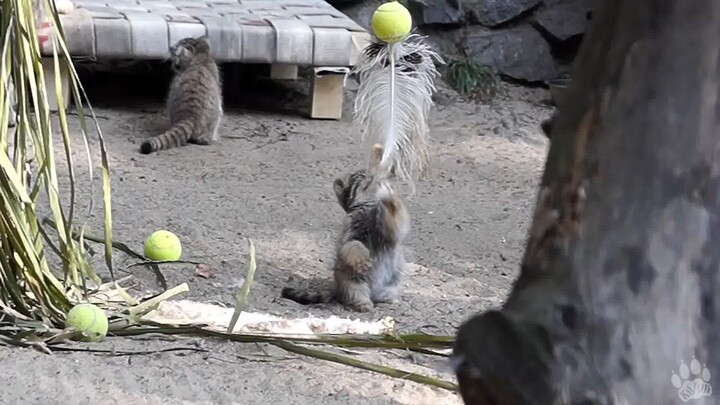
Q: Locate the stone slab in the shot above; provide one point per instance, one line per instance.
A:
(79, 33)
(180, 30)
(114, 36)
(149, 35)
(329, 43)
(225, 37)
(293, 41)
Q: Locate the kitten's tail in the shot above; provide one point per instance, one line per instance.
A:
(178, 135)
(306, 297)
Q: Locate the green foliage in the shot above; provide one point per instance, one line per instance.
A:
(472, 80)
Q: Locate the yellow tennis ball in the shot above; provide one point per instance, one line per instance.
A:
(163, 246)
(391, 22)
(90, 320)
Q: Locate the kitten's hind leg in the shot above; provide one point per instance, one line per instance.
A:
(201, 140)
(387, 296)
(388, 291)
(354, 263)
(207, 138)
(354, 294)
(386, 286)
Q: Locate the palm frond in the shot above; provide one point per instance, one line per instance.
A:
(31, 288)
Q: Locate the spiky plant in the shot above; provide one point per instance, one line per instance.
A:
(472, 80)
(33, 291)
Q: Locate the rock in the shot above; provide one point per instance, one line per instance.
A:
(553, 2)
(444, 41)
(491, 13)
(361, 12)
(435, 12)
(520, 53)
(343, 3)
(565, 19)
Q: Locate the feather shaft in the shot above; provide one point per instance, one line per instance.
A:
(393, 102)
(390, 141)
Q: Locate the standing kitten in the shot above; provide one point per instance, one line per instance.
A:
(369, 259)
(195, 98)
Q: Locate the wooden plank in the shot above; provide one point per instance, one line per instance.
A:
(327, 93)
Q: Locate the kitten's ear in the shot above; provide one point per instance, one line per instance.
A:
(205, 40)
(338, 188)
(393, 174)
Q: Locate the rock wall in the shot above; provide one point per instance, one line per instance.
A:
(526, 40)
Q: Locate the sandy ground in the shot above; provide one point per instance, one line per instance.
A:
(269, 178)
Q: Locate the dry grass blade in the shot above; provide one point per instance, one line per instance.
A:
(245, 289)
(405, 342)
(147, 306)
(113, 352)
(349, 361)
(125, 249)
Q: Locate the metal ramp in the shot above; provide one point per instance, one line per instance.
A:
(283, 33)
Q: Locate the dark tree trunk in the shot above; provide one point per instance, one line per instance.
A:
(620, 277)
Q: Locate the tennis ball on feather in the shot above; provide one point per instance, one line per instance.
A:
(88, 319)
(163, 246)
(391, 22)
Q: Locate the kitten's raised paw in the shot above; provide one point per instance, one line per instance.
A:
(356, 256)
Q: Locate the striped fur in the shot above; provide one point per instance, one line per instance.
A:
(369, 259)
(195, 98)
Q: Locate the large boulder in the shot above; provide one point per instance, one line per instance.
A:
(436, 12)
(491, 13)
(520, 53)
(565, 19)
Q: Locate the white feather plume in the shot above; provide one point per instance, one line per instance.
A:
(393, 102)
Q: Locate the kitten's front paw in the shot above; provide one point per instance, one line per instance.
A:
(362, 307)
(386, 300)
(64, 6)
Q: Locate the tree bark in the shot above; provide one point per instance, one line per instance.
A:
(618, 283)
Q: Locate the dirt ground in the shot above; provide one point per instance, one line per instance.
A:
(269, 178)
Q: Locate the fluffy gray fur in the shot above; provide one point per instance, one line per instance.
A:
(369, 259)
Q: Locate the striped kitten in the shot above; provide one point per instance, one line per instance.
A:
(369, 259)
(194, 100)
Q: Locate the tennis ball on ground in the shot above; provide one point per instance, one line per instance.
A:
(391, 22)
(163, 246)
(88, 319)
